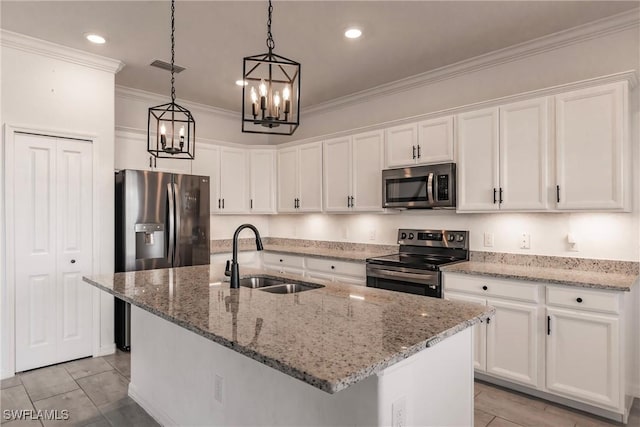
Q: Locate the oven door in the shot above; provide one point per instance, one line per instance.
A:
(403, 279)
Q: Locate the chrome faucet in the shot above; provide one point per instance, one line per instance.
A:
(232, 268)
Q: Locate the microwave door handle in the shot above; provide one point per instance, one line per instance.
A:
(430, 188)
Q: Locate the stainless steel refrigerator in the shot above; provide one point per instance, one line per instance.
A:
(162, 221)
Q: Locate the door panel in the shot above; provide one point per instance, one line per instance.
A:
(263, 181)
(310, 177)
(192, 220)
(401, 145)
(337, 175)
(287, 179)
(479, 332)
(35, 251)
(368, 162)
(233, 180)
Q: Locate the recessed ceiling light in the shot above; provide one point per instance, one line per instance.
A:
(353, 33)
(241, 82)
(95, 38)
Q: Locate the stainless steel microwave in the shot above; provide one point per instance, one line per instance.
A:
(420, 187)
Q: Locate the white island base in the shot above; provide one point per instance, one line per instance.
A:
(184, 379)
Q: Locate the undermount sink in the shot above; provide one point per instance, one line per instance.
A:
(291, 288)
(259, 282)
(276, 285)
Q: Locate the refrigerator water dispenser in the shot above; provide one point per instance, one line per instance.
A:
(150, 241)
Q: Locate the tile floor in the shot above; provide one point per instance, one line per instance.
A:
(94, 391)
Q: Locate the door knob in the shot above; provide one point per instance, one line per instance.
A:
(73, 261)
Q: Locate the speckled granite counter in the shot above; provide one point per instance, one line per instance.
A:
(345, 251)
(593, 275)
(330, 338)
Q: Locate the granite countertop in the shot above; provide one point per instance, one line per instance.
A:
(330, 338)
(344, 251)
(618, 281)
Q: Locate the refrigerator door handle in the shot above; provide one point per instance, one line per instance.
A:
(176, 195)
(170, 218)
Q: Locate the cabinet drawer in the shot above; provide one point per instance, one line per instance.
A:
(337, 267)
(283, 260)
(583, 299)
(480, 285)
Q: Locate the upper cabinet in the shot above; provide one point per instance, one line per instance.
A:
(352, 172)
(207, 163)
(131, 153)
(503, 157)
(262, 181)
(428, 141)
(591, 135)
(300, 178)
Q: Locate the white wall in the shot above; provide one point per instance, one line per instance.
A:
(211, 123)
(57, 96)
(223, 226)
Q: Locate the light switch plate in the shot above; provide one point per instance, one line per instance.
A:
(488, 240)
(525, 241)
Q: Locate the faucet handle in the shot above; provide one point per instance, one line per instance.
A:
(227, 269)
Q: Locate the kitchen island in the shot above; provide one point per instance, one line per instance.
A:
(204, 354)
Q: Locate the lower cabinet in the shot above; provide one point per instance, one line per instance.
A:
(560, 340)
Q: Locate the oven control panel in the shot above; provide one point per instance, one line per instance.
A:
(434, 238)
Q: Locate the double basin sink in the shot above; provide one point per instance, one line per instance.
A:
(277, 286)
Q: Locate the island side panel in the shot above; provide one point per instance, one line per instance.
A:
(433, 387)
(173, 375)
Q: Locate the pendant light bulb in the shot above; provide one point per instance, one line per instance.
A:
(276, 99)
(254, 95)
(163, 129)
(263, 88)
(286, 93)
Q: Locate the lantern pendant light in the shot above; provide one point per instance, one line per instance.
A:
(171, 129)
(271, 92)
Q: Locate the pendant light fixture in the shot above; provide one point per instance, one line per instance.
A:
(271, 95)
(171, 129)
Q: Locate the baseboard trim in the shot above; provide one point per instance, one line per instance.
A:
(615, 416)
(156, 413)
(105, 350)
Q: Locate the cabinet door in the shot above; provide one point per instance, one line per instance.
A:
(590, 147)
(131, 152)
(233, 180)
(479, 331)
(368, 162)
(207, 163)
(523, 155)
(337, 175)
(310, 177)
(477, 151)
(287, 179)
(583, 356)
(262, 181)
(512, 342)
(435, 139)
(402, 145)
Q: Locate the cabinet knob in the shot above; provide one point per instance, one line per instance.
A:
(484, 288)
(280, 260)
(73, 261)
(333, 267)
(579, 299)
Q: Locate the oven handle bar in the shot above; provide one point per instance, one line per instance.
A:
(421, 278)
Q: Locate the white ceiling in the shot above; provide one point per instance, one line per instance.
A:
(400, 38)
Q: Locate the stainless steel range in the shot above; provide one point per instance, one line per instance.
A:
(416, 268)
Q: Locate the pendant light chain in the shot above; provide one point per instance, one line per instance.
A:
(270, 43)
(173, 50)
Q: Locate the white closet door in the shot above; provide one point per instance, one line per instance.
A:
(35, 246)
(74, 252)
(53, 214)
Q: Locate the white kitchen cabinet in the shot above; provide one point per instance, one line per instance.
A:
(131, 153)
(300, 178)
(283, 263)
(350, 272)
(524, 159)
(503, 157)
(479, 331)
(353, 172)
(428, 141)
(512, 341)
(591, 148)
(478, 160)
(233, 181)
(207, 163)
(507, 345)
(435, 140)
(262, 180)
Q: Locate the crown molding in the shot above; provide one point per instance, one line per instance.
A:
(581, 33)
(55, 51)
(152, 98)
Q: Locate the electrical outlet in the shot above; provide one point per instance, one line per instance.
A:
(399, 412)
(525, 241)
(218, 383)
(372, 234)
(488, 240)
(573, 243)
